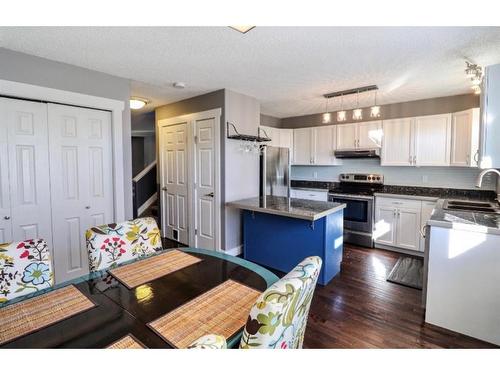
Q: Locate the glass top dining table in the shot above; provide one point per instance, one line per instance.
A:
(121, 311)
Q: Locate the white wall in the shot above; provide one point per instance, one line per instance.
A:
(241, 169)
(445, 177)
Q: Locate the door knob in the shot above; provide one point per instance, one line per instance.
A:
(211, 195)
(164, 188)
(87, 207)
(6, 217)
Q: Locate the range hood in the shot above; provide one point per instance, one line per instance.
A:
(358, 154)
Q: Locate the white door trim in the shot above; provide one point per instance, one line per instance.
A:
(27, 91)
(190, 119)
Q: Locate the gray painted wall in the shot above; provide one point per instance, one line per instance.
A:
(423, 107)
(34, 70)
(267, 120)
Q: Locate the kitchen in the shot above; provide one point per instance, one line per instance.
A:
(402, 180)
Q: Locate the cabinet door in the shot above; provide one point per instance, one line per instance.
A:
(432, 140)
(272, 133)
(464, 138)
(426, 214)
(408, 228)
(346, 137)
(324, 145)
(370, 134)
(302, 146)
(385, 229)
(396, 144)
(286, 138)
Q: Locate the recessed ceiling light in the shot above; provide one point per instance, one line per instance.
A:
(138, 103)
(242, 29)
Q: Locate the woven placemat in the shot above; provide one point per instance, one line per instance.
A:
(145, 270)
(41, 311)
(127, 342)
(222, 310)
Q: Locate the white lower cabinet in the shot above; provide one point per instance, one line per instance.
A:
(313, 195)
(398, 222)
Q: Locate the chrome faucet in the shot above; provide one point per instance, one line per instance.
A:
(479, 180)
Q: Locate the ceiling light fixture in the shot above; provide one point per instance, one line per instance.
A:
(375, 109)
(357, 113)
(327, 116)
(341, 115)
(242, 29)
(475, 73)
(138, 103)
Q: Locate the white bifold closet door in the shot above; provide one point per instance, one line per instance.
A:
(81, 182)
(24, 171)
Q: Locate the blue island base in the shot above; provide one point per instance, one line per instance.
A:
(282, 242)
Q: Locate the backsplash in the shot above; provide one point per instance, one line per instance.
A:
(443, 177)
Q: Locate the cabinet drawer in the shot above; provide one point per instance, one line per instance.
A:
(398, 202)
(310, 194)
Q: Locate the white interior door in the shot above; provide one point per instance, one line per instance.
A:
(205, 184)
(81, 182)
(174, 181)
(5, 214)
(27, 148)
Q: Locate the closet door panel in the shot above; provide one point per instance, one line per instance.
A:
(5, 214)
(28, 168)
(81, 179)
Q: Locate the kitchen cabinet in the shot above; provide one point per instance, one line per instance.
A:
(286, 138)
(426, 213)
(418, 141)
(279, 137)
(398, 223)
(314, 195)
(465, 138)
(432, 140)
(361, 135)
(397, 148)
(314, 146)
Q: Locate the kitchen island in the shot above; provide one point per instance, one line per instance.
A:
(279, 232)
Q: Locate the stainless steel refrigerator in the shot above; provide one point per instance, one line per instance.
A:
(275, 171)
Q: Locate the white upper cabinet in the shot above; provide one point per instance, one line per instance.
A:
(369, 134)
(286, 138)
(397, 142)
(324, 145)
(302, 146)
(432, 140)
(360, 135)
(465, 138)
(346, 136)
(279, 137)
(314, 146)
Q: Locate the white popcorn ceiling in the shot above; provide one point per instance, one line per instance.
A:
(286, 68)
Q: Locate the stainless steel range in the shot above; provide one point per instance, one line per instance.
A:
(357, 190)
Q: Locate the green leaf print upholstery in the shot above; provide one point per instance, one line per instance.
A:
(112, 244)
(279, 317)
(25, 267)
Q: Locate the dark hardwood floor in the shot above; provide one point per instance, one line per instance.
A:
(360, 309)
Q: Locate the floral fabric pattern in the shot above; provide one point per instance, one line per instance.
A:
(25, 267)
(112, 244)
(209, 342)
(279, 317)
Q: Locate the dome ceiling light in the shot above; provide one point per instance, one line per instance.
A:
(242, 29)
(138, 103)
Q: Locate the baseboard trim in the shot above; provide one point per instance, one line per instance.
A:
(399, 250)
(146, 204)
(235, 251)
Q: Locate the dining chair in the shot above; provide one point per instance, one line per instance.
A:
(111, 244)
(278, 318)
(25, 267)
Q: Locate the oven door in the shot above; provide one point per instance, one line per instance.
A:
(358, 215)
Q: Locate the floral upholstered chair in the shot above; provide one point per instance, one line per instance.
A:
(25, 267)
(279, 317)
(112, 244)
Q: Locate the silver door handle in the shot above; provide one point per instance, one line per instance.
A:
(6, 217)
(87, 207)
(211, 195)
(164, 188)
(394, 213)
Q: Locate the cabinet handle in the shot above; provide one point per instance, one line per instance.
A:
(87, 207)
(394, 213)
(422, 231)
(6, 217)
(411, 160)
(476, 157)
(414, 160)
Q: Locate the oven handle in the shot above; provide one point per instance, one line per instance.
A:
(344, 197)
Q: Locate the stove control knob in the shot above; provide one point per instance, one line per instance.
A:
(378, 178)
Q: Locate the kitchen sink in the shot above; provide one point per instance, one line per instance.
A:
(471, 206)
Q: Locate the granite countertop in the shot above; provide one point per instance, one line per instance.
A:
(291, 207)
(464, 220)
